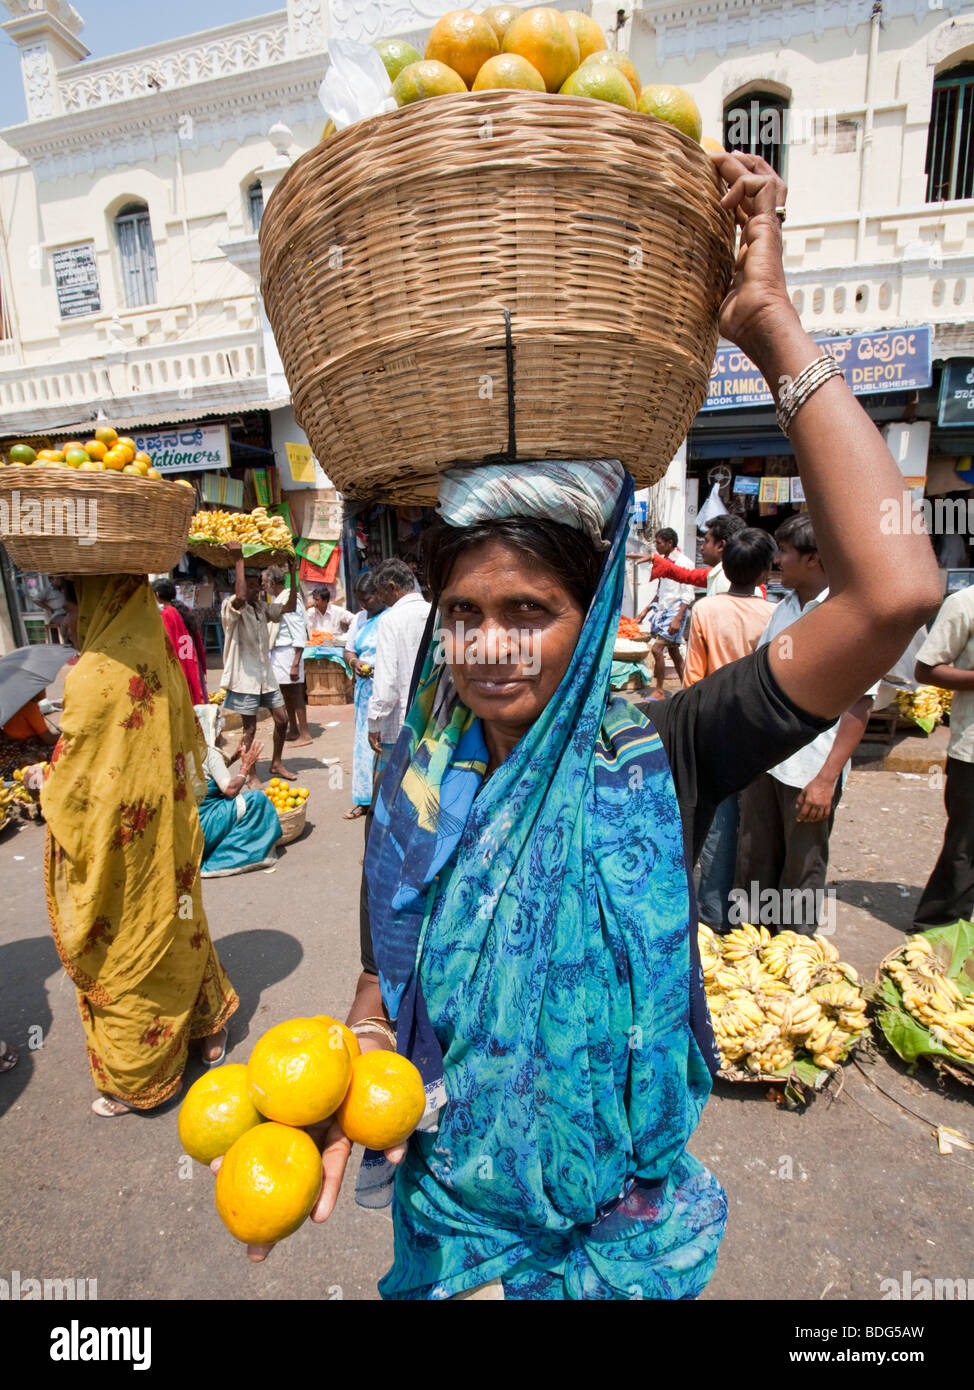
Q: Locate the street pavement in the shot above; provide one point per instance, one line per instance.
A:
(823, 1204)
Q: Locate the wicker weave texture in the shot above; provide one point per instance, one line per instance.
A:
(140, 525)
(390, 253)
(221, 558)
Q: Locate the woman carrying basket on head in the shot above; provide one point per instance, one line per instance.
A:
(360, 643)
(531, 927)
(124, 846)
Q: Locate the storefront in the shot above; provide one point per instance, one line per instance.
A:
(735, 442)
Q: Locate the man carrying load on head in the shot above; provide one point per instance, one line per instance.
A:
(247, 673)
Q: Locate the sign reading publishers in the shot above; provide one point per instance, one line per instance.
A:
(870, 362)
(187, 448)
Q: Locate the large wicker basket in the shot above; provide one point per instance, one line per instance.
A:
(292, 823)
(139, 525)
(391, 253)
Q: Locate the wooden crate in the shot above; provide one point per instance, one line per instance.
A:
(327, 683)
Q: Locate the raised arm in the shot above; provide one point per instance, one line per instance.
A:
(882, 586)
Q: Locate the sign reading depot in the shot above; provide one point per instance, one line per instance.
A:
(870, 362)
(185, 448)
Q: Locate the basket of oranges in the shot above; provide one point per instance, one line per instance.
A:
(290, 803)
(527, 257)
(95, 508)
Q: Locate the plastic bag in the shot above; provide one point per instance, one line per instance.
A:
(713, 507)
(356, 85)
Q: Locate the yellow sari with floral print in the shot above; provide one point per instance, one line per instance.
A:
(124, 848)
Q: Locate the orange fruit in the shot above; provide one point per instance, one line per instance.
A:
(95, 449)
(603, 82)
(429, 78)
(672, 104)
(126, 443)
(501, 17)
(116, 459)
(464, 41)
(217, 1109)
(546, 38)
(133, 468)
(590, 37)
(106, 435)
(338, 1032)
(154, 473)
(385, 1100)
(22, 453)
(143, 457)
(508, 70)
(127, 450)
(295, 1073)
(396, 54)
(71, 444)
(75, 457)
(268, 1182)
(51, 455)
(712, 146)
(623, 62)
(95, 466)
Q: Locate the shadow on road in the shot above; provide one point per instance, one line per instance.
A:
(24, 967)
(880, 898)
(255, 960)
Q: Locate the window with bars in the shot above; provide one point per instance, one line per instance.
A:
(755, 122)
(137, 254)
(255, 200)
(950, 136)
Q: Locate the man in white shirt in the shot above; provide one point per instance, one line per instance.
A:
(668, 611)
(400, 633)
(288, 639)
(247, 672)
(947, 659)
(788, 812)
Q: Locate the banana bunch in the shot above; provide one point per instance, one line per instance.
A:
(772, 998)
(926, 702)
(932, 997)
(218, 696)
(249, 528)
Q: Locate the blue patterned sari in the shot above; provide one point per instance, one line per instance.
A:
(532, 938)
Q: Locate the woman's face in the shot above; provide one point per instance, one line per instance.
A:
(509, 632)
(371, 603)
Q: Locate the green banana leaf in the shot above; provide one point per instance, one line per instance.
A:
(909, 1038)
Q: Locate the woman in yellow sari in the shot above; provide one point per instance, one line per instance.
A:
(123, 851)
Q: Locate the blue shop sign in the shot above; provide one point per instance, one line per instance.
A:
(870, 362)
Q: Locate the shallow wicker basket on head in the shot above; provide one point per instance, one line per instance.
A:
(394, 255)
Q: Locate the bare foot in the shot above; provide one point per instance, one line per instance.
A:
(215, 1046)
(355, 812)
(290, 736)
(279, 770)
(302, 742)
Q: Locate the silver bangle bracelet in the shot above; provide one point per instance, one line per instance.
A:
(372, 1025)
(806, 383)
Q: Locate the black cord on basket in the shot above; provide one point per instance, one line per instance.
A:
(509, 455)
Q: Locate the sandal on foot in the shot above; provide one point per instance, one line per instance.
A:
(110, 1106)
(355, 813)
(216, 1061)
(8, 1057)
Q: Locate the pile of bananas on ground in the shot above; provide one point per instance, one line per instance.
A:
(774, 998)
(931, 996)
(927, 703)
(249, 528)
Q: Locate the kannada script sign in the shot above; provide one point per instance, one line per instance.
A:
(870, 362)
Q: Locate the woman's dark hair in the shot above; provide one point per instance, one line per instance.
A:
(798, 531)
(570, 555)
(746, 556)
(365, 584)
(165, 592)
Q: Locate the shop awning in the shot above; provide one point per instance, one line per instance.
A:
(726, 446)
(139, 422)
